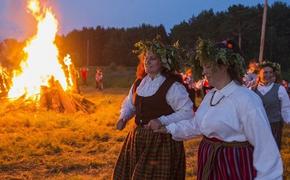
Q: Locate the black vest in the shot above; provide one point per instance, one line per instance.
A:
(154, 106)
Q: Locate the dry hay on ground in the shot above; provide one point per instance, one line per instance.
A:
(49, 145)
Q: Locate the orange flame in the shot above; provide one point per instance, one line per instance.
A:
(34, 6)
(41, 63)
(68, 63)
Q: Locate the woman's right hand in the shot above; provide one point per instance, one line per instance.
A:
(161, 130)
(121, 124)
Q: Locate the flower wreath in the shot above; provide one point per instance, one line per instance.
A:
(275, 66)
(171, 56)
(207, 51)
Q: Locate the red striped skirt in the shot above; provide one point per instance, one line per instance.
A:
(219, 160)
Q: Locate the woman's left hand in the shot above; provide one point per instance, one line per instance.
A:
(153, 124)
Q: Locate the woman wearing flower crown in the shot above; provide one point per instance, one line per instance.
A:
(275, 98)
(157, 98)
(237, 141)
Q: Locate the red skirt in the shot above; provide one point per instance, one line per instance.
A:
(219, 160)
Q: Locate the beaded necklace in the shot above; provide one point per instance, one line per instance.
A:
(211, 103)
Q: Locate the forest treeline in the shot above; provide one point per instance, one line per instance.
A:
(99, 46)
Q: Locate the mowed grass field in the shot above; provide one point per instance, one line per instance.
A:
(39, 144)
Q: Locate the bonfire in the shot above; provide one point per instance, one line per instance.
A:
(42, 77)
(4, 81)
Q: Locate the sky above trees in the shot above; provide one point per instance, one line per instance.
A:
(15, 22)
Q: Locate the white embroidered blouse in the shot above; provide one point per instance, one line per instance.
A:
(177, 97)
(237, 115)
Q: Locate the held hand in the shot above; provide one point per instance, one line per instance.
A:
(121, 124)
(161, 130)
(153, 124)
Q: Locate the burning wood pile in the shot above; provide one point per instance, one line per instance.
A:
(4, 82)
(53, 97)
(42, 77)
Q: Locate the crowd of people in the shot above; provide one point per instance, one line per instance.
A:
(240, 118)
(262, 78)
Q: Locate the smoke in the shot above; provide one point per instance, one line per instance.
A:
(16, 22)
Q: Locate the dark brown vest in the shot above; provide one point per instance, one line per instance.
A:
(154, 106)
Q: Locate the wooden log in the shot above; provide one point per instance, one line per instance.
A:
(43, 100)
(53, 97)
(66, 101)
(89, 106)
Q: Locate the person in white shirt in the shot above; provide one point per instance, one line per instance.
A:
(156, 98)
(275, 99)
(237, 140)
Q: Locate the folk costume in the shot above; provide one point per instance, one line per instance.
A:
(276, 103)
(146, 154)
(237, 141)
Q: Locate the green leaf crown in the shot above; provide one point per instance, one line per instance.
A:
(171, 56)
(207, 51)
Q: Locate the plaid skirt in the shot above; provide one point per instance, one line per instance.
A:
(277, 128)
(149, 155)
(218, 160)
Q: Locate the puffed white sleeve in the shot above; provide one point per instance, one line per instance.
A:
(183, 130)
(266, 157)
(177, 97)
(285, 104)
(127, 109)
